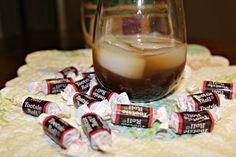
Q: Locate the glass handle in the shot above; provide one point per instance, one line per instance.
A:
(87, 36)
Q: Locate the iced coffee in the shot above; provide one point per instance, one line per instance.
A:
(146, 67)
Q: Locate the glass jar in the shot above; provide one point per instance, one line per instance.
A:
(140, 47)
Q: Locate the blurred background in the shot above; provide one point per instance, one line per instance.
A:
(31, 25)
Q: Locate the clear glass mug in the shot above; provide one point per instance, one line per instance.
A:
(139, 47)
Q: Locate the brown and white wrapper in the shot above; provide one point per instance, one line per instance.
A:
(97, 131)
(226, 89)
(102, 108)
(194, 122)
(60, 131)
(199, 102)
(137, 116)
(68, 72)
(49, 86)
(35, 107)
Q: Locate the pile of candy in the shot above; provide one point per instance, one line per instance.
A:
(97, 107)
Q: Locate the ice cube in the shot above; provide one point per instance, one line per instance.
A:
(121, 62)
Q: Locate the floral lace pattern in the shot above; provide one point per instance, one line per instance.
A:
(22, 136)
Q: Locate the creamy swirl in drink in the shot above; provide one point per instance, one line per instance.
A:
(145, 67)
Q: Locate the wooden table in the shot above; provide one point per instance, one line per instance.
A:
(14, 50)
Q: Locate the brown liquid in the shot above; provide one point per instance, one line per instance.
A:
(154, 86)
(145, 77)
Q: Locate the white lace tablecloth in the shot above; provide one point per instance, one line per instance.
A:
(21, 135)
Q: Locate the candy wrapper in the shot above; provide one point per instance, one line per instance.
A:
(137, 116)
(228, 90)
(194, 122)
(50, 86)
(78, 149)
(62, 133)
(95, 128)
(78, 86)
(68, 72)
(35, 107)
(102, 108)
(199, 102)
(97, 131)
(100, 93)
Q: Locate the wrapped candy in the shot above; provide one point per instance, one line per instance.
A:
(103, 108)
(35, 107)
(62, 133)
(95, 128)
(194, 122)
(78, 86)
(226, 89)
(50, 86)
(97, 131)
(100, 93)
(68, 71)
(199, 102)
(137, 116)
